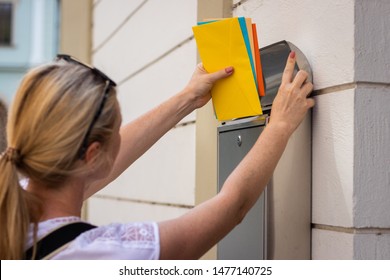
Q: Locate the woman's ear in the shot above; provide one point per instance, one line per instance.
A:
(92, 152)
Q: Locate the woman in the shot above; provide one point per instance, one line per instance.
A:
(64, 135)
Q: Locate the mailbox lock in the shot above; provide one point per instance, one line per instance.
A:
(239, 140)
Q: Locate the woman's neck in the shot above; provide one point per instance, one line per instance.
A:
(65, 200)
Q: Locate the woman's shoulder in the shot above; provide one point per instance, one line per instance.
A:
(138, 240)
(138, 234)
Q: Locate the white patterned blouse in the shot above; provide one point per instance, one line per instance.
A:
(115, 241)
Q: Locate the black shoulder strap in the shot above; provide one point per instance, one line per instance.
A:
(57, 239)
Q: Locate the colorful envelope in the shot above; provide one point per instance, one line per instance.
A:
(223, 43)
(259, 70)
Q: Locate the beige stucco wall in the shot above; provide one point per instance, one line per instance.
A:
(345, 42)
(152, 57)
(147, 47)
(75, 35)
(75, 28)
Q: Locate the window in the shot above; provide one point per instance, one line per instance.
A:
(5, 23)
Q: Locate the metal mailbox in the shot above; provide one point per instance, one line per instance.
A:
(279, 224)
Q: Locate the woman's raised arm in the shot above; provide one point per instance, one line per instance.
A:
(193, 234)
(141, 134)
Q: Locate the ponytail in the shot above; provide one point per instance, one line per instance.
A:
(14, 214)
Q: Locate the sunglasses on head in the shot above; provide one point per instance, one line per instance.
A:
(108, 84)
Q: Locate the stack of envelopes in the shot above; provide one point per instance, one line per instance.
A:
(232, 42)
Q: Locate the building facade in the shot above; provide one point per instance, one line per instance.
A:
(29, 36)
(152, 55)
(345, 42)
(148, 48)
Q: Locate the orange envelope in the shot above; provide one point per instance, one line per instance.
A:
(221, 44)
(259, 70)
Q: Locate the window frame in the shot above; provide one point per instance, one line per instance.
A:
(12, 31)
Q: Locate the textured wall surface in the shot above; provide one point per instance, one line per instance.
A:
(141, 46)
(148, 49)
(332, 162)
(323, 30)
(347, 45)
(372, 116)
(372, 157)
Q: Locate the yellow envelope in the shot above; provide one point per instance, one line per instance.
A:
(221, 44)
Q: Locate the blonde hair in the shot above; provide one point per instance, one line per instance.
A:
(3, 119)
(47, 123)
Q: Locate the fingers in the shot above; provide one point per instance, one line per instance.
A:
(299, 81)
(307, 88)
(310, 102)
(221, 74)
(289, 69)
(200, 68)
(300, 78)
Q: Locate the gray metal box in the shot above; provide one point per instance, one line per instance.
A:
(279, 225)
(247, 240)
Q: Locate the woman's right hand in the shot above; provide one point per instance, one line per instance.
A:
(201, 83)
(292, 103)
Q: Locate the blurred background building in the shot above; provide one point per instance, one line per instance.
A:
(148, 48)
(32, 32)
(28, 37)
